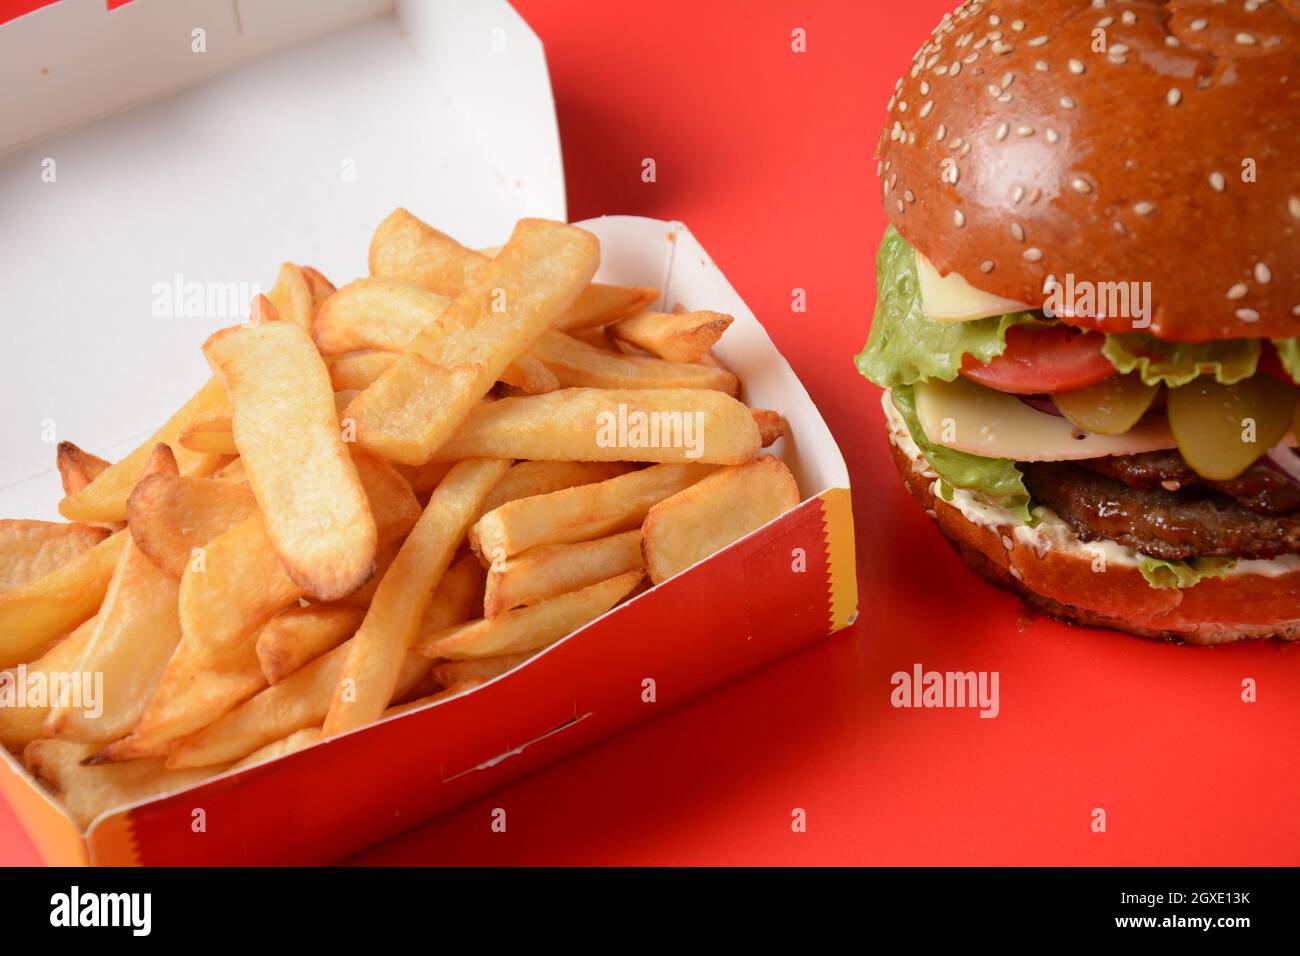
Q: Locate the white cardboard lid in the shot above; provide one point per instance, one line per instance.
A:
(441, 105)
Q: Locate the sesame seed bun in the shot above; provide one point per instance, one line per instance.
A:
(1064, 583)
(1018, 149)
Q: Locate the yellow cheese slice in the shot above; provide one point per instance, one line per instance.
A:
(951, 298)
(971, 418)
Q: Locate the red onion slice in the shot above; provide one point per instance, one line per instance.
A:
(1282, 458)
(1041, 403)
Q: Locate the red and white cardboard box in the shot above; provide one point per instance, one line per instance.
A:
(281, 142)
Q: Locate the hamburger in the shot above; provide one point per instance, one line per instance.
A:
(1087, 322)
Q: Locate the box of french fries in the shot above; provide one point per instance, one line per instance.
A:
(423, 528)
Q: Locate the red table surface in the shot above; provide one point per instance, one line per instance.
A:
(767, 155)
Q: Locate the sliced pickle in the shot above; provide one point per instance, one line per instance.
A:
(1222, 429)
(1111, 407)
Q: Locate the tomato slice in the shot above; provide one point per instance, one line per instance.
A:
(1270, 364)
(1058, 358)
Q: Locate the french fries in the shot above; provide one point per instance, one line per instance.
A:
(387, 495)
(677, 337)
(414, 406)
(530, 628)
(580, 513)
(306, 486)
(598, 424)
(32, 549)
(550, 570)
(375, 654)
(706, 517)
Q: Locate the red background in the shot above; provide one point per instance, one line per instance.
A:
(766, 155)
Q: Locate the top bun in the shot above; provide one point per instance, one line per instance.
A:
(1115, 141)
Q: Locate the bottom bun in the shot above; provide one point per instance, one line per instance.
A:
(1071, 584)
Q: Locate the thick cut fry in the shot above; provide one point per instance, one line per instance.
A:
(300, 700)
(771, 425)
(576, 363)
(531, 628)
(299, 635)
(454, 598)
(376, 314)
(376, 652)
(104, 499)
(135, 634)
(214, 431)
(77, 467)
(554, 569)
(89, 791)
(171, 515)
(234, 471)
(193, 692)
(298, 740)
(708, 516)
(597, 424)
(528, 478)
(414, 407)
(451, 673)
(237, 582)
(448, 691)
(291, 296)
(41, 684)
(580, 513)
(287, 433)
(680, 337)
(403, 247)
(530, 375)
(424, 478)
(321, 288)
(29, 550)
(40, 611)
(359, 369)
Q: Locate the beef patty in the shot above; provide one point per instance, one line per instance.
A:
(1258, 488)
(1195, 521)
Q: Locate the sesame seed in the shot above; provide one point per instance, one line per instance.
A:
(1295, 310)
(1018, 232)
(1025, 130)
(1238, 291)
(1245, 39)
(1077, 67)
(1293, 206)
(955, 68)
(1019, 194)
(900, 205)
(1035, 195)
(1008, 79)
(987, 266)
(925, 88)
(1217, 182)
(941, 70)
(1032, 254)
(1105, 22)
(1262, 273)
(1129, 17)
(1174, 97)
(1248, 315)
(1001, 133)
(1118, 227)
(902, 106)
(1118, 49)
(943, 131)
(1067, 102)
(970, 58)
(1081, 185)
(995, 90)
(909, 195)
(1144, 208)
(994, 19)
(1041, 66)
(1052, 135)
(879, 167)
(927, 108)
(1200, 24)
(959, 218)
(1038, 41)
(1017, 25)
(1172, 40)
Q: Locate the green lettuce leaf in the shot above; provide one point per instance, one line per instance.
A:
(1288, 350)
(996, 478)
(1183, 574)
(905, 346)
(1177, 363)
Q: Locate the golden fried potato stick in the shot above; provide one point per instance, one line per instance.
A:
(706, 517)
(403, 247)
(287, 432)
(358, 369)
(531, 628)
(136, 631)
(580, 513)
(375, 654)
(376, 314)
(575, 363)
(415, 405)
(321, 288)
(104, 499)
(679, 337)
(19, 726)
(43, 610)
(298, 740)
(87, 791)
(455, 596)
(553, 569)
(77, 467)
(602, 424)
(296, 637)
(32, 549)
(171, 515)
(292, 297)
(451, 673)
(528, 478)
